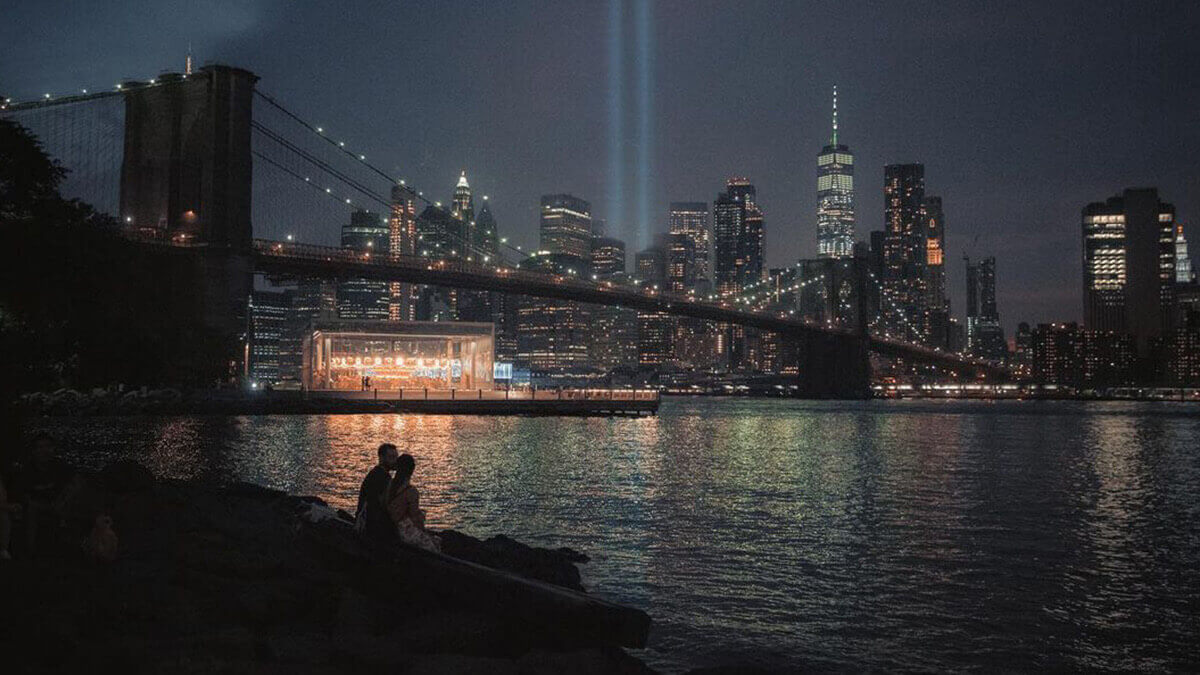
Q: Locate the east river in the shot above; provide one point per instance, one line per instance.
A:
(912, 535)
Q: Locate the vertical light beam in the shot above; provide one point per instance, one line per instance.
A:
(616, 116)
(645, 57)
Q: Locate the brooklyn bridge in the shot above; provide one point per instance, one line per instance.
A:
(185, 190)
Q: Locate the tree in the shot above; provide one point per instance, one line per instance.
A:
(80, 305)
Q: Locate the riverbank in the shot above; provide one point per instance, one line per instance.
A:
(242, 578)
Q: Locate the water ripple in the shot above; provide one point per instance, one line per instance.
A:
(909, 535)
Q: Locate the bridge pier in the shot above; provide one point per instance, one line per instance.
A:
(834, 366)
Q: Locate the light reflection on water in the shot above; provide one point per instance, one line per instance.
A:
(895, 535)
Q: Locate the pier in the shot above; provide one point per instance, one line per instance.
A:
(563, 402)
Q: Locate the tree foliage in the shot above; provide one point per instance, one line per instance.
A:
(81, 306)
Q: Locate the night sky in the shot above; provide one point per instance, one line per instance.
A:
(1022, 112)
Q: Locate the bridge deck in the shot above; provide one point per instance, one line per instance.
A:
(305, 260)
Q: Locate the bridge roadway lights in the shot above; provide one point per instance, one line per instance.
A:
(833, 364)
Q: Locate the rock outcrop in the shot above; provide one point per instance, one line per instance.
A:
(242, 578)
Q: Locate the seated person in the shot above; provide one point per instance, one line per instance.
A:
(371, 519)
(404, 506)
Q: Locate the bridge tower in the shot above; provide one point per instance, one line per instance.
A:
(838, 366)
(186, 178)
(187, 168)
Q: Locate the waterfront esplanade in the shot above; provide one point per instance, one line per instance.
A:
(396, 356)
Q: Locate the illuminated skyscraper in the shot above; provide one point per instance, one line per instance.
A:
(402, 241)
(566, 226)
(655, 329)
(553, 335)
(614, 330)
(463, 208)
(737, 261)
(268, 314)
(1183, 264)
(835, 196)
(688, 255)
(737, 237)
(361, 298)
(440, 236)
(904, 252)
(937, 305)
(1129, 265)
(608, 257)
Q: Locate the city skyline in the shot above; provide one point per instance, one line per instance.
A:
(971, 128)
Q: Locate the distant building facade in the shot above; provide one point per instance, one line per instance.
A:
(1068, 355)
(985, 334)
(1129, 265)
(266, 365)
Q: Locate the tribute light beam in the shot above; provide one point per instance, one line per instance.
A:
(645, 55)
(616, 113)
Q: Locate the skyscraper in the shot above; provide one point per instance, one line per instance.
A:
(268, 314)
(553, 335)
(470, 305)
(608, 257)
(614, 335)
(688, 253)
(402, 241)
(737, 237)
(463, 206)
(566, 226)
(476, 244)
(487, 232)
(904, 251)
(737, 261)
(361, 298)
(985, 335)
(1129, 265)
(314, 300)
(1183, 264)
(689, 270)
(937, 305)
(655, 329)
(835, 196)
(440, 235)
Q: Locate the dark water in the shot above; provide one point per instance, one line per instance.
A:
(886, 535)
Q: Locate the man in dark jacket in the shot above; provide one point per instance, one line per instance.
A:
(371, 518)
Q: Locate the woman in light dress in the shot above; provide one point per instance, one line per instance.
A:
(404, 506)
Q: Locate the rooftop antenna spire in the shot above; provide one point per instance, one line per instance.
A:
(187, 64)
(834, 142)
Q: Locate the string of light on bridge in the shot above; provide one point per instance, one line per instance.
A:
(903, 317)
(361, 158)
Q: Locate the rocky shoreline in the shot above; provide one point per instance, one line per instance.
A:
(241, 578)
